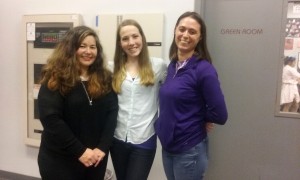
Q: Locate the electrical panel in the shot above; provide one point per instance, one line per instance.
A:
(40, 35)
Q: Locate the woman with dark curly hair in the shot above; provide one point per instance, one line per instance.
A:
(78, 109)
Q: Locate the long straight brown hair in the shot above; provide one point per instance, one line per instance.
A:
(145, 69)
(201, 51)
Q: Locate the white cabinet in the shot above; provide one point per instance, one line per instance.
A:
(40, 34)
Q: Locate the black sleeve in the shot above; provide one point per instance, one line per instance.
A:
(56, 133)
(111, 122)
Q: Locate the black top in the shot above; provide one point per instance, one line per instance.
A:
(71, 124)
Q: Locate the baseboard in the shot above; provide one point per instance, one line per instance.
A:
(4, 175)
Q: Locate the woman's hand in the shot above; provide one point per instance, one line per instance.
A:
(99, 155)
(88, 158)
(209, 126)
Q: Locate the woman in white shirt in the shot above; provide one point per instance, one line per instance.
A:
(289, 90)
(136, 80)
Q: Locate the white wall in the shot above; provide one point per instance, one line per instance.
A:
(15, 156)
(253, 145)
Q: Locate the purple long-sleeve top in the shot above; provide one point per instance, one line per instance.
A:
(189, 98)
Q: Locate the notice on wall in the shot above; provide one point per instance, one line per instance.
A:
(30, 29)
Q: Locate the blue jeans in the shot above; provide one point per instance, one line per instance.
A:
(131, 162)
(188, 165)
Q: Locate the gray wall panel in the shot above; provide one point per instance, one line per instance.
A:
(244, 38)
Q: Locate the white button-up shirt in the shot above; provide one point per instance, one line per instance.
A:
(138, 106)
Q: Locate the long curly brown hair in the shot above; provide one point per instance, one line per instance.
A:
(62, 71)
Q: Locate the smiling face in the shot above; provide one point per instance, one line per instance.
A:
(131, 40)
(187, 35)
(87, 52)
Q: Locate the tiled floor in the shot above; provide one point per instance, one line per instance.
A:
(4, 175)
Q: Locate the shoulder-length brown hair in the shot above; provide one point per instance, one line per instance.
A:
(145, 69)
(62, 71)
(201, 51)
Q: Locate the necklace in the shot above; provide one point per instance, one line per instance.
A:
(87, 94)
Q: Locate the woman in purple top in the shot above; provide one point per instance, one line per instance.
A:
(190, 99)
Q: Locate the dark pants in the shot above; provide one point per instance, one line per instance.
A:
(131, 162)
(60, 168)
